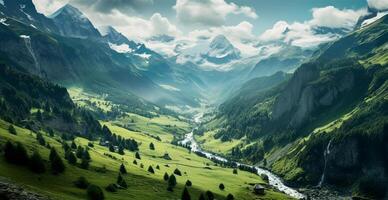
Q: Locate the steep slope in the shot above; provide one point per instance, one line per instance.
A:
(343, 91)
(73, 23)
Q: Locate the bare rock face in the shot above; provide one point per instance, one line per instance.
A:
(9, 191)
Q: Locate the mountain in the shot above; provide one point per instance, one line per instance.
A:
(25, 11)
(73, 23)
(111, 35)
(287, 59)
(218, 51)
(333, 105)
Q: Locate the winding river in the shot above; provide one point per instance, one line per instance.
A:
(274, 180)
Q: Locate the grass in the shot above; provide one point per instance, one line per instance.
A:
(209, 143)
(142, 185)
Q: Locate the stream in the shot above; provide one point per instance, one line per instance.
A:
(274, 180)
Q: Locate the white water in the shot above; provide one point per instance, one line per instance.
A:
(325, 154)
(274, 180)
(27, 41)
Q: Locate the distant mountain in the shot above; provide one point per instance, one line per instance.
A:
(25, 11)
(334, 105)
(111, 35)
(73, 23)
(287, 59)
(218, 51)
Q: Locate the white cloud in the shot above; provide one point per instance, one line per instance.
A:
(209, 12)
(378, 4)
(303, 34)
(332, 17)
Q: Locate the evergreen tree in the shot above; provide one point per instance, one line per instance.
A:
(157, 167)
(234, 171)
(85, 163)
(111, 148)
(151, 170)
(186, 194)
(152, 146)
(95, 193)
(81, 183)
(221, 186)
(202, 197)
(230, 197)
(189, 183)
(39, 116)
(86, 155)
(80, 152)
(210, 195)
(122, 169)
(12, 130)
(57, 165)
(121, 150)
(73, 145)
(166, 177)
(40, 139)
(177, 172)
(134, 162)
(71, 158)
(36, 163)
(137, 155)
(9, 152)
(172, 181)
(121, 182)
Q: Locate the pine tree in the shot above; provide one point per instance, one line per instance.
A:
(95, 193)
(151, 170)
(230, 197)
(12, 130)
(39, 116)
(210, 195)
(121, 150)
(137, 155)
(221, 186)
(189, 183)
(73, 145)
(134, 162)
(111, 148)
(80, 152)
(81, 183)
(36, 163)
(172, 181)
(40, 139)
(122, 169)
(85, 163)
(177, 172)
(86, 155)
(121, 181)
(152, 146)
(57, 165)
(186, 194)
(71, 158)
(166, 177)
(202, 197)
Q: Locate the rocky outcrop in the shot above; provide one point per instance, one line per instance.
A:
(9, 191)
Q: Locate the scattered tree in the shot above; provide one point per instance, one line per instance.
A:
(111, 188)
(221, 186)
(166, 177)
(82, 183)
(172, 181)
(151, 170)
(84, 163)
(177, 172)
(40, 139)
(12, 130)
(152, 146)
(134, 162)
(36, 163)
(189, 183)
(71, 158)
(157, 167)
(230, 197)
(234, 171)
(202, 197)
(80, 152)
(73, 145)
(122, 169)
(90, 144)
(210, 195)
(57, 165)
(186, 194)
(137, 155)
(95, 193)
(121, 182)
(111, 148)
(121, 150)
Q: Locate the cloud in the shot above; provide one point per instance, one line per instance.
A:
(332, 17)
(305, 34)
(209, 12)
(107, 6)
(378, 4)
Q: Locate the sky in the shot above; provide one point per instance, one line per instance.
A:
(244, 22)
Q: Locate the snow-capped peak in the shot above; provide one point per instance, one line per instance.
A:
(220, 48)
(71, 11)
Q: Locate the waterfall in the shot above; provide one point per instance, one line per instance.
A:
(27, 41)
(325, 155)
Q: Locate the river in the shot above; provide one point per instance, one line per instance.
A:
(274, 180)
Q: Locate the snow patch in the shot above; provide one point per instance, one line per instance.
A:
(25, 36)
(2, 2)
(144, 55)
(33, 26)
(2, 21)
(169, 87)
(371, 20)
(123, 48)
(22, 7)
